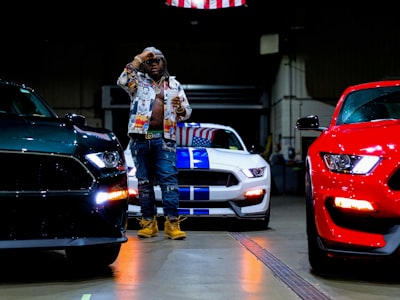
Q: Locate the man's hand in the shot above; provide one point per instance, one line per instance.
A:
(176, 102)
(147, 55)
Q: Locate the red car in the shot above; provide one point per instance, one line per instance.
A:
(353, 177)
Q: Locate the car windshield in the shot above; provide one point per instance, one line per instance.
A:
(17, 100)
(207, 138)
(370, 105)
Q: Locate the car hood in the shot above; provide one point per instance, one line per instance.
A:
(46, 135)
(210, 158)
(376, 138)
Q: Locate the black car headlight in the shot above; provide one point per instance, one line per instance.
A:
(350, 164)
(105, 159)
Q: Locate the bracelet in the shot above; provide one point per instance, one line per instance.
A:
(138, 59)
(180, 109)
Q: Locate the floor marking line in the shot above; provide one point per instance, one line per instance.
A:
(295, 282)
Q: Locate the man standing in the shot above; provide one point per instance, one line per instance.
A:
(153, 137)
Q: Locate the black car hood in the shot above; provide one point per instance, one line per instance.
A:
(36, 134)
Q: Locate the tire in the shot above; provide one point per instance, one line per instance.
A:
(265, 223)
(318, 259)
(262, 224)
(102, 255)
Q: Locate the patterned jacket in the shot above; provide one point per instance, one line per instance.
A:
(142, 90)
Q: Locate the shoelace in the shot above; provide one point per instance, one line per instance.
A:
(143, 222)
(178, 220)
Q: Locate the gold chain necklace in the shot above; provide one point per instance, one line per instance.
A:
(158, 85)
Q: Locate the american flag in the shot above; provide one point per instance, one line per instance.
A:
(194, 137)
(205, 4)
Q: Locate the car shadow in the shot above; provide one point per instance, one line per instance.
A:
(27, 265)
(382, 271)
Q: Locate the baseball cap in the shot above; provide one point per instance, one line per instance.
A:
(154, 50)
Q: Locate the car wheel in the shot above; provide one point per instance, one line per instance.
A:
(265, 223)
(318, 259)
(103, 255)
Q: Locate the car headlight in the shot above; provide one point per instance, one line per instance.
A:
(105, 159)
(350, 164)
(254, 172)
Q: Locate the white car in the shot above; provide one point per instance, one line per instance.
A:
(218, 176)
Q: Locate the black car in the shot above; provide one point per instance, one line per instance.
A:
(63, 183)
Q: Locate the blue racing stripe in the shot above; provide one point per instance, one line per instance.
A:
(196, 212)
(184, 193)
(182, 158)
(201, 193)
(184, 211)
(200, 159)
(201, 211)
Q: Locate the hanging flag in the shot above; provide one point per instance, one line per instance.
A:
(194, 137)
(205, 4)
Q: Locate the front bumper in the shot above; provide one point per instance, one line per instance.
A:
(347, 232)
(242, 209)
(60, 220)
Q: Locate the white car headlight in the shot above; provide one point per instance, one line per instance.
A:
(254, 172)
(351, 164)
(104, 159)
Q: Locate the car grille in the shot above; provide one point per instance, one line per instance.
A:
(46, 196)
(360, 221)
(394, 181)
(57, 217)
(25, 172)
(206, 178)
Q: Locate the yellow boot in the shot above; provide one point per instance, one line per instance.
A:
(172, 229)
(149, 228)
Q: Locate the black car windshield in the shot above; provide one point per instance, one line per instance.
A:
(370, 105)
(17, 100)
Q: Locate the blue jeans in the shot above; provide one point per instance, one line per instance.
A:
(155, 162)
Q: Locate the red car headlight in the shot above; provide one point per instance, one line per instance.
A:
(351, 164)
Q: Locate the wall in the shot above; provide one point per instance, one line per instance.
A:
(291, 101)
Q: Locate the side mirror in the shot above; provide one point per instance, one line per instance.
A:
(75, 118)
(256, 149)
(309, 123)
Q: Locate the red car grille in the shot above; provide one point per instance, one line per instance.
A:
(394, 181)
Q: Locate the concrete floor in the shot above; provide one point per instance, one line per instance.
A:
(218, 260)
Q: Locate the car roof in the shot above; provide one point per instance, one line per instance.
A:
(206, 125)
(14, 83)
(373, 84)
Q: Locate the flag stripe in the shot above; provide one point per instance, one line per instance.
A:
(206, 4)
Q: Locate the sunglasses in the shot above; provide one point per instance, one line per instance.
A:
(149, 62)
